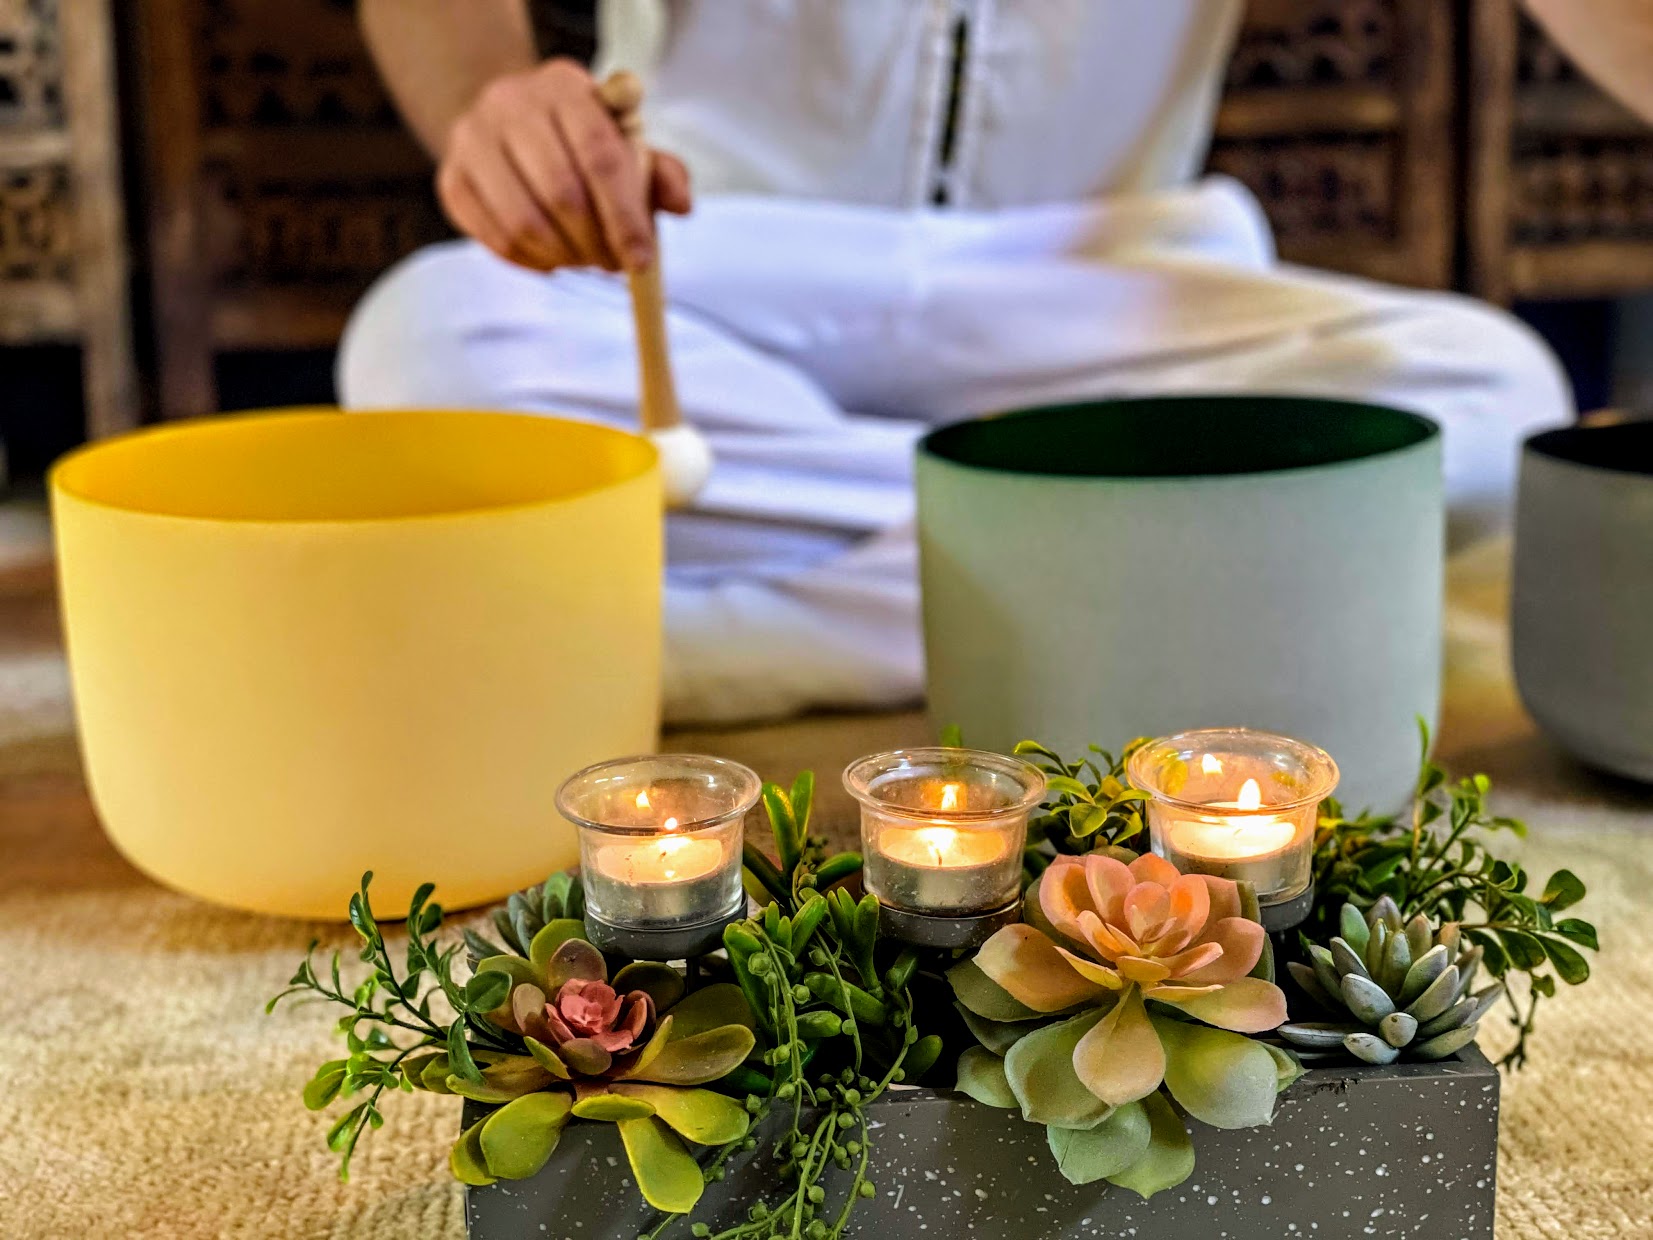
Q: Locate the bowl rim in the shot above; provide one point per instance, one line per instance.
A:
(61, 483)
(1557, 444)
(1426, 432)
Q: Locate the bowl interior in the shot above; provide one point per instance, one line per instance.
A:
(1626, 448)
(1179, 436)
(322, 465)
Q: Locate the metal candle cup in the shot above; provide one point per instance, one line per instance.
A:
(942, 832)
(660, 850)
(1237, 804)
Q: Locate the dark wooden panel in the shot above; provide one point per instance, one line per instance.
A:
(1560, 176)
(280, 180)
(62, 229)
(181, 284)
(1338, 117)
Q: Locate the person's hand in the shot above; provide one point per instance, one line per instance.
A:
(538, 171)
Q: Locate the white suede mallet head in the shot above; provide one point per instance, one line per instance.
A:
(685, 462)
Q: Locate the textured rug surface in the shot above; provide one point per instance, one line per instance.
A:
(143, 1092)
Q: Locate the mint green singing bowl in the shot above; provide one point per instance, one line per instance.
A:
(1134, 567)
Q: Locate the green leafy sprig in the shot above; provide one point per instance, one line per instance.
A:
(1437, 861)
(393, 1015)
(1089, 804)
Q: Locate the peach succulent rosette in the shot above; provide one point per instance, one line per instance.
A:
(1127, 982)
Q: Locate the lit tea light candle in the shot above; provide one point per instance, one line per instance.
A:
(938, 869)
(660, 842)
(942, 829)
(671, 857)
(942, 848)
(1248, 835)
(1237, 804)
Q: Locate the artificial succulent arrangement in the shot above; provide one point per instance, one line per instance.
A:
(539, 1031)
(632, 1053)
(1129, 998)
(806, 1016)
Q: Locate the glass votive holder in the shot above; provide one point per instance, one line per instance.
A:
(1239, 804)
(942, 832)
(660, 850)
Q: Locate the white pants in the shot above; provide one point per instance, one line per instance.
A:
(814, 342)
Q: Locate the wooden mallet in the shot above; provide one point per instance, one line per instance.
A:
(685, 457)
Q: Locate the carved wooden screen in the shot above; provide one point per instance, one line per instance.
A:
(1561, 179)
(62, 254)
(280, 179)
(1338, 115)
(36, 215)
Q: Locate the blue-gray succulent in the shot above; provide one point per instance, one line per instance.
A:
(1392, 989)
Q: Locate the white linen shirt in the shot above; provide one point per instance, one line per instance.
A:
(848, 100)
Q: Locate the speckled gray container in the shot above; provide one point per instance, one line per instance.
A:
(1353, 1154)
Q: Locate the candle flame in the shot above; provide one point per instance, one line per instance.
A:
(949, 800)
(643, 802)
(1251, 796)
(939, 840)
(668, 846)
(1211, 764)
(671, 825)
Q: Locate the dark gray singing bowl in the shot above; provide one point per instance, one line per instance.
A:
(1119, 568)
(1582, 613)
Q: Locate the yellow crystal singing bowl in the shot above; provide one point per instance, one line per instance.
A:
(307, 644)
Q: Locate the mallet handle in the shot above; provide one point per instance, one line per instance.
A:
(622, 94)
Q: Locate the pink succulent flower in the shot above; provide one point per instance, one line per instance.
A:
(1117, 935)
(591, 1027)
(588, 1009)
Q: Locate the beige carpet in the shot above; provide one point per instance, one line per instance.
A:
(144, 1093)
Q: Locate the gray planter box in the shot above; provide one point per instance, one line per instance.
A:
(1353, 1153)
